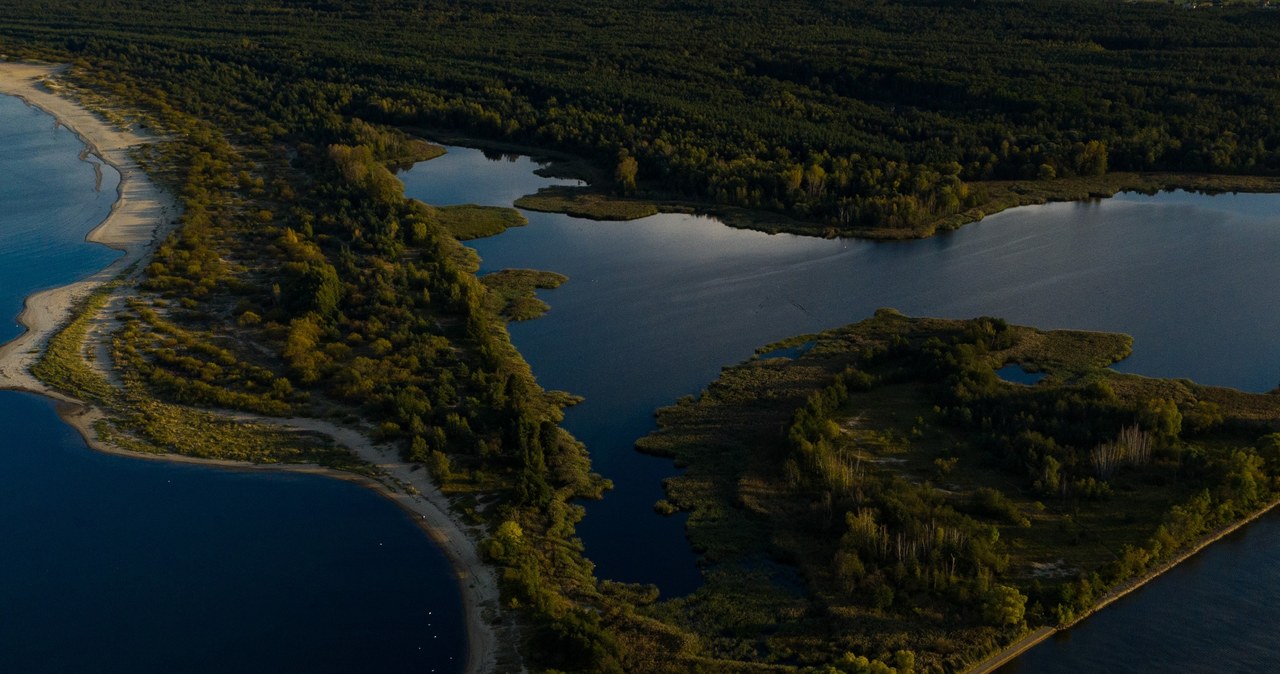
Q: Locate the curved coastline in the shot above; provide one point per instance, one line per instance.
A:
(142, 215)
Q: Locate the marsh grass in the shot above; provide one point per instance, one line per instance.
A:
(513, 291)
(468, 221)
(63, 365)
(588, 203)
(138, 421)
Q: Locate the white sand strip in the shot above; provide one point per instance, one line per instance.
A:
(142, 214)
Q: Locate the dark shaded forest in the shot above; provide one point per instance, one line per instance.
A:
(850, 115)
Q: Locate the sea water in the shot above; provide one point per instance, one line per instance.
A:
(115, 564)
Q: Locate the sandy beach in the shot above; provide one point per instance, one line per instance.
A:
(404, 484)
(142, 215)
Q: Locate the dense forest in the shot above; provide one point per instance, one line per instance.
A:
(301, 281)
(853, 116)
(885, 501)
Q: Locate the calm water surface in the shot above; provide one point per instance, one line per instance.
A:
(1015, 373)
(1216, 612)
(48, 203)
(654, 308)
(111, 564)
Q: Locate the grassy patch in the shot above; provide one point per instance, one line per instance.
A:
(586, 203)
(477, 222)
(190, 368)
(63, 365)
(417, 150)
(513, 290)
(190, 432)
(139, 422)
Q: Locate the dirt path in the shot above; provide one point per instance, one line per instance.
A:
(1013, 651)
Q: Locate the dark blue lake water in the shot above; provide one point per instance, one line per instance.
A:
(120, 565)
(655, 307)
(1016, 374)
(1216, 612)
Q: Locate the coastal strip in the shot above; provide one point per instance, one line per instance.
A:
(141, 217)
(1029, 641)
(404, 484)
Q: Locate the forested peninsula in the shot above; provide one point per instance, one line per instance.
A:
(879, 498)
(300, 283)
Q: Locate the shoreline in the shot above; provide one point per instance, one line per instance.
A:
(142, 215)
(428, 508)
(1034, 638)
(595, 202)
(1013, 194)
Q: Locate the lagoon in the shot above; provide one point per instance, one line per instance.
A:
(655, 307)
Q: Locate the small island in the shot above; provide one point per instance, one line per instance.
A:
(878, 499)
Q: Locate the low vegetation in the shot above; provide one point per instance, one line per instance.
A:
(476, 222)
(513, 290)
(64, 364)
(138, 420)
(586, 203)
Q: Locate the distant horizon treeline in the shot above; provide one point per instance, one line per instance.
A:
(867, 114)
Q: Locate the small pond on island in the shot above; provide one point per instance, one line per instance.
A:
(1016, 374)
